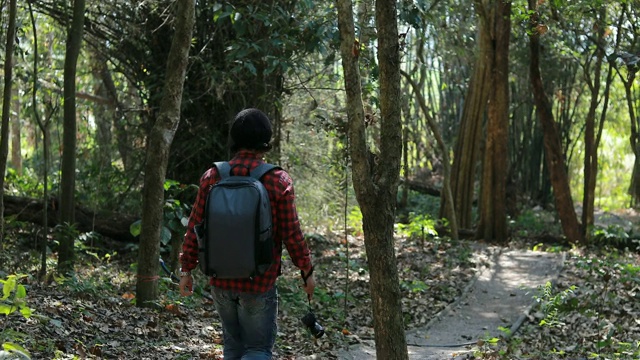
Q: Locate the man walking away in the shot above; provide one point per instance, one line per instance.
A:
(248, 307)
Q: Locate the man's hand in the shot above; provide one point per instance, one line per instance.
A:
(309, 287)
(186, 285)
(309, 284)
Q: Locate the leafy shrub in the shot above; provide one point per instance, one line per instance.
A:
(12, 301)
(175, 213)
(418, 226)
(610, 235)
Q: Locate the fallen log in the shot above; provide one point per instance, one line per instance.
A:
(420, 187)
(113, 225)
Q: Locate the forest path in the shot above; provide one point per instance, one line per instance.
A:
(501, 295)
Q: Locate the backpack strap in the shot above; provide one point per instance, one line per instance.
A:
(224, 169)
(262, 169)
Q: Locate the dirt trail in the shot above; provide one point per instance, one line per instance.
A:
(500, 296)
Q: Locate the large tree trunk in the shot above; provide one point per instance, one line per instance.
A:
(493, 206)
(376, 184)
(6, 107)
(68, 180)
(552, 146)
(465, 162)
(158, 154)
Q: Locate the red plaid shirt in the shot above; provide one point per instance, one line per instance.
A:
(285, 221)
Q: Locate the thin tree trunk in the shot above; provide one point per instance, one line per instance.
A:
(66, 254)
(158, 154)
(590, 141)
(634, 187)
(588, 219)
(376, 184)
(553, 149)
(16, 133)
(103, 114)
(6, 107)
(44, 127)
(451, 214)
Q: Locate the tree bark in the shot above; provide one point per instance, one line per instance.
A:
(493, 206)
(158, 154)
(68, 179)
(375, 184)
(467, 149)
(6, 107)
(553, 148)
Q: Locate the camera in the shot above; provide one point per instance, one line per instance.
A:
(312, 325)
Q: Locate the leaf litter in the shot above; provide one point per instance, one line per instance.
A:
(93, 314)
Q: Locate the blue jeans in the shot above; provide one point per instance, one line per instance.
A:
(248, 323)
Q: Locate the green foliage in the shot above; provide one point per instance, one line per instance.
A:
(27, 184)
(93, 286)
(13, 301)
(14, 297)
(594, 301)
(414, 286)
(531, 223)
(66, 231)
(418, 226)
(354, 220)
(612, 234)
(102, 186)
(420, 204)
(175, 212)
(275, 53)
(552, 305)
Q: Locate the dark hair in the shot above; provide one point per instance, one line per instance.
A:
(251, 130)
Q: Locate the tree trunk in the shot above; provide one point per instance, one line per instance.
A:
(6, 107)
(66, 253)
(450, 212)
(634, 137)
(16, 133)
(103, 114)
(465, 162)
(44, 127)
(590, 156)
(493, 206)
(158, 154)
(376, 185)
(553, 149)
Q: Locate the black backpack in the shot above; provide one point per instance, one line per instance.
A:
(235, 238)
